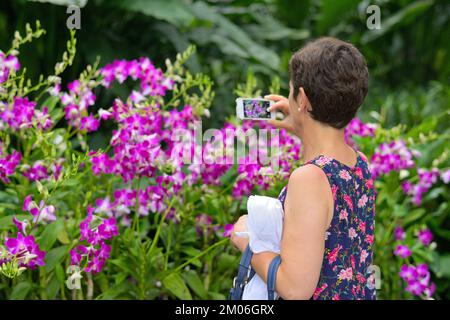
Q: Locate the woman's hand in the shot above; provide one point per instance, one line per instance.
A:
(240, 226)
(281, 104)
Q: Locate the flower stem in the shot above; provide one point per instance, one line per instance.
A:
(155, 239)
(217, 244)
(90, 286)
(135, 227)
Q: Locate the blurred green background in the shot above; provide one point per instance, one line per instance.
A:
(408, 54)
(238, 40)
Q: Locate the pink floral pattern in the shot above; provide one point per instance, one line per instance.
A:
(345, 273)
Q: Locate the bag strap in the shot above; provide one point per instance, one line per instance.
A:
(272, 277)
(245, 273)
(245, 264)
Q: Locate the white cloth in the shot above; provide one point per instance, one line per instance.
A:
(264, 226)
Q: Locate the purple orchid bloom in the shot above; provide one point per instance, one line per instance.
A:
(399, 233)
(402, 251)
(108, 228)
(425, 237)
(26, 251)
(227, 229)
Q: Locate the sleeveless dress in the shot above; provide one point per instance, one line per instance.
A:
(346, 272)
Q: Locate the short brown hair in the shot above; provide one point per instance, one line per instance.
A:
(334, 75)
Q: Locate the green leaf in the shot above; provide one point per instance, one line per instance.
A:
(60, 274)
(402, 17)
(54, 257)
(71, 182)
(175, 12)
(399, 211)
(63, 237)
(114, 292)
(192, 251)
(123, 265)
(293, 13)
(42, 189)
(195, 283)
(441, 265)
(50, 234)
(228, 29)
(180, 43)
(270, 28)
(20, 291)
(50, 103)
(414, 215)
(176, 285)
(53, 288)
(8, 196)
(65, 3)
(425, 126)
(229, 47)
(120, 277)
(331, 13)
(216, 296)
(434, 193)
(227, 261)
(7, 222)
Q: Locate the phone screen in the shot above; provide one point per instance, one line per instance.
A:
(254, 109)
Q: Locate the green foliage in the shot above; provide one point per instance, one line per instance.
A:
(230, 44)
(235, 36)
(424, 116)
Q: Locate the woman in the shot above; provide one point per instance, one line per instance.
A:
(328, 227)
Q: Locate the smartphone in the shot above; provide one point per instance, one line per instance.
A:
(254, 109)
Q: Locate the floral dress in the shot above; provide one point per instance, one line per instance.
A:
(347, 271)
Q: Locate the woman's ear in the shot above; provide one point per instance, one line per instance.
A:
(302, 101)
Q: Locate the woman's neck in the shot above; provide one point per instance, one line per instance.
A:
(320, 139)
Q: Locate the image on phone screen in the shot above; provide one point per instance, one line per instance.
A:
(256, 109)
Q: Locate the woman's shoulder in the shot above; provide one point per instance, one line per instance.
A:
(307, 172)
(363, 156)
(307, 194)
(309, 179)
